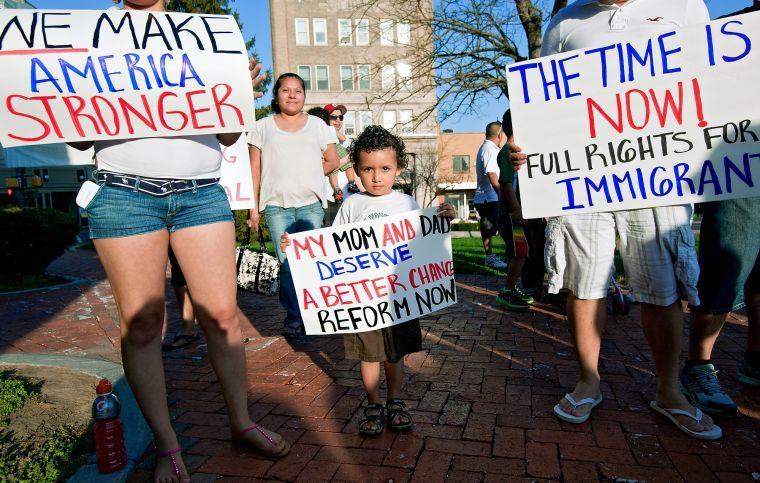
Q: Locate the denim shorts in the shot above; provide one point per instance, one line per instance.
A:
(116, 212)
(729, 254)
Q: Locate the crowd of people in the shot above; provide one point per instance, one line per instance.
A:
(307, 174)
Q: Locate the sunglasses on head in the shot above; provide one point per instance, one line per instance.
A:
(337, 117)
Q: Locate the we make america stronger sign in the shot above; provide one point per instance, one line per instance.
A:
(115, 74)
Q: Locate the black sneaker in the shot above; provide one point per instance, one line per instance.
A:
(512, 301)
(352, 188)
(701, 387)
(748, 374)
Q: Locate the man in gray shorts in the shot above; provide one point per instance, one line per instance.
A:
(656, 244)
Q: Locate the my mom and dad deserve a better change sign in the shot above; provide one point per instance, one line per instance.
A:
(373, 274)
(668, 120)
(98, 75)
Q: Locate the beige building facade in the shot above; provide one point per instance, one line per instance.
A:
(356, 56)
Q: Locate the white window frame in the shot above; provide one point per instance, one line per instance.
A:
(388, 77)
(323, 22)
(388, 116)
(407, 125)
(307, 80)
(359, 29)
(316, 77)
(362, 124)
(360, 77)
(349, 123)
(386, 31)
(306, 23)
(340, 32)
(352, 78)
(407, 31)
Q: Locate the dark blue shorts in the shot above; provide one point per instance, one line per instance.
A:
(116, 211)
(729, 254)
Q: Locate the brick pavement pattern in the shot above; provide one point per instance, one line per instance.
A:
(481, 393)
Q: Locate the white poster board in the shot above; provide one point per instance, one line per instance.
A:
(116, 74)
(236, 175)
(373, 274)
(669, 120)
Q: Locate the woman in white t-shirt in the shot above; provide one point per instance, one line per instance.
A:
(291, 152)
(161, 192)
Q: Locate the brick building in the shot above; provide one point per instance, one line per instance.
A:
(356, 56)
(456, 170)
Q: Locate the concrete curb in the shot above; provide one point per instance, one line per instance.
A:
(137, 435)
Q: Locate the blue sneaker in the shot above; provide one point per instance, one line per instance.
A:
(700, 385)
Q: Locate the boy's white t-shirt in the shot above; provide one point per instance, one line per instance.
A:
(364, 207)
(292, 174)
(181, 157)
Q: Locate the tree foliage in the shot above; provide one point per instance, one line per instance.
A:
(219, 7)
(470, 44)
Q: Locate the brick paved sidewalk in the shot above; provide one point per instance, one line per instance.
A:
(481, 392)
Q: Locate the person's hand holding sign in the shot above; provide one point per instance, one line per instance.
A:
(516, 156)
(256, 77)
(447, 211)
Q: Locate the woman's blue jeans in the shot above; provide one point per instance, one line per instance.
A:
(291, 220)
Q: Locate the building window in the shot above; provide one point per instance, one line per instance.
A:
(320, 31)
(388, 77)
(364, 77)
(362, 32)
(349, 123)
(461, 163)
(365, 120)
(405, 119)
(404, 75)
(323, 77)
(305, 72)
(389, 120)
(302, 31)
(404, 33)
(386, 32)
(344, 31)
(347, 77)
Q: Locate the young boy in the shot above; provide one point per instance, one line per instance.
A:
(379, 157)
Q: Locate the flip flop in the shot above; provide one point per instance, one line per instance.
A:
(237, 438)
(180, 341)
(571, 418)
(711, 434)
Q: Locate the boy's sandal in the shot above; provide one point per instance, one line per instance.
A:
(708, 434)
(170, 454)
(372, 422)
(284, 446)
(397, 411)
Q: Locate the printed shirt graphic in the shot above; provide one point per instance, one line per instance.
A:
(362, 207)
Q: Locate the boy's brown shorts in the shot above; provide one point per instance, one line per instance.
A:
(388, 344)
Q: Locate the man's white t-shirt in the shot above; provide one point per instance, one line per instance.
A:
(292, 174)
(363, 207)
(182, 157)
(485, 163)
(342, 178)
(590, 23)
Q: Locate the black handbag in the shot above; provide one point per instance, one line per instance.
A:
(257, 271)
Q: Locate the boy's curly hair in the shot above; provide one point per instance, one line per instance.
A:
(377, 138)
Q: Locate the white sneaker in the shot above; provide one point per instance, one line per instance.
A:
(495, 262)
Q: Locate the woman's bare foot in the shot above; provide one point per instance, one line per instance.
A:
(265, 441)
(170, 468)
(678, 401)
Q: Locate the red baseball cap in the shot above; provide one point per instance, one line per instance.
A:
(332, 107)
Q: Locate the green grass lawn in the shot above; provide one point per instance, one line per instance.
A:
(469, 257)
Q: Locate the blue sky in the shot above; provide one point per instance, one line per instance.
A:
(255, 17)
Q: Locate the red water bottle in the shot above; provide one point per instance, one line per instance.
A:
(109, 432)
